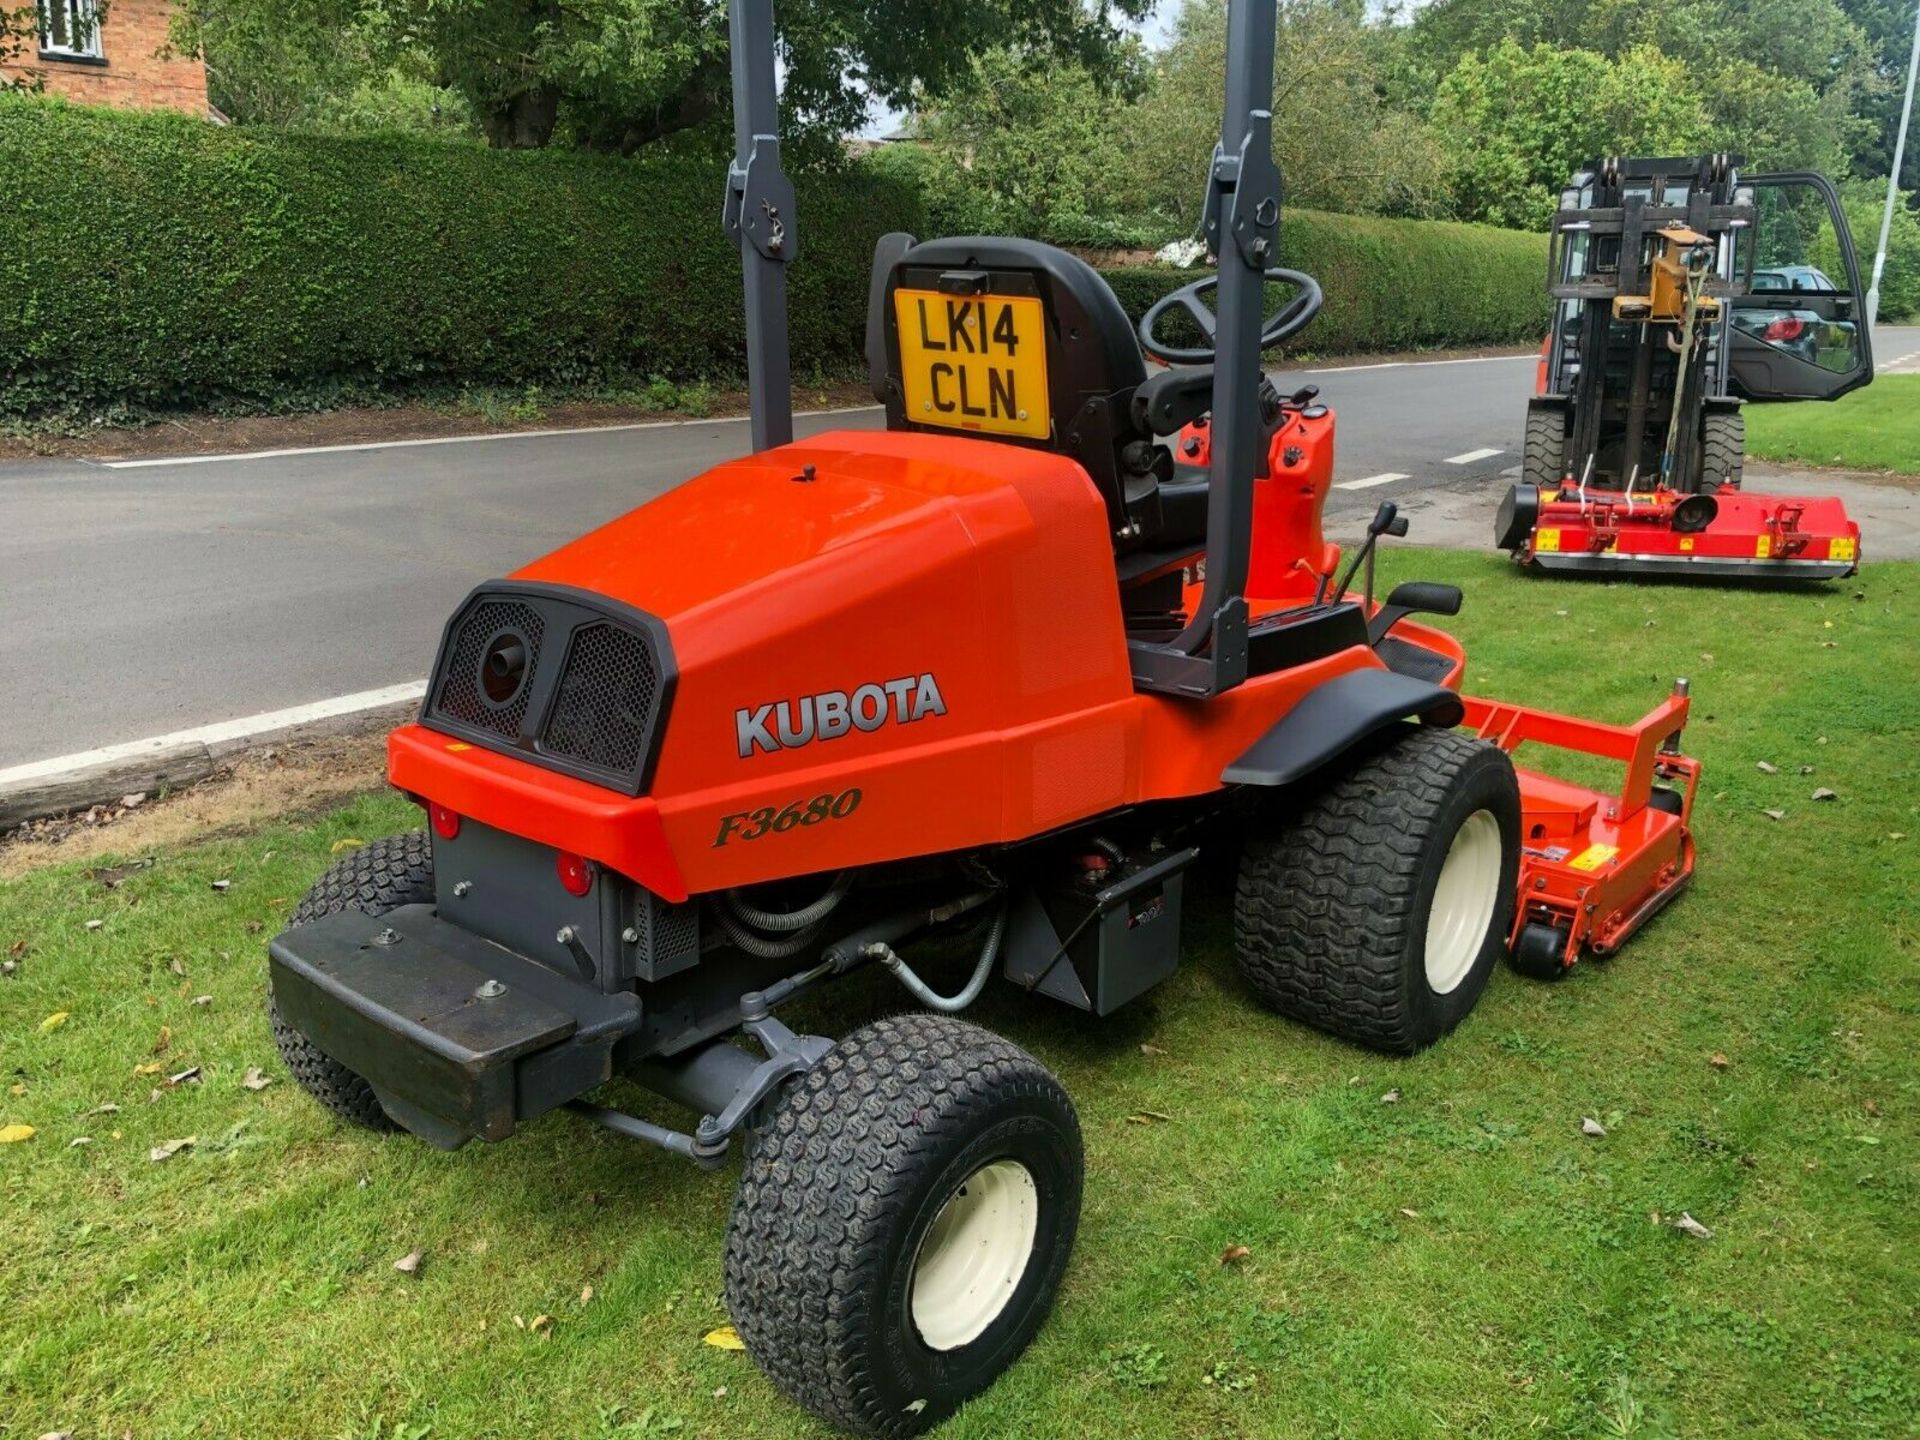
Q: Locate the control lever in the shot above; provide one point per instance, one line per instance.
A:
(1303, 397)
(1387, 520)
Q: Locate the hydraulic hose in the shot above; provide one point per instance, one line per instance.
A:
(783, 921)
(762, 946)
(918, 988)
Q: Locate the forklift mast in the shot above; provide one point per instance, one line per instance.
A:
(1242, 226)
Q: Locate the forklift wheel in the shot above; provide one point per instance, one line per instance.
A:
(903, 1222)
(1723, 450)
(1377, 912)
(376, 878)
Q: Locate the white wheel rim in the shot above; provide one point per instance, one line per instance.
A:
(1463, 902)
(974, 1254)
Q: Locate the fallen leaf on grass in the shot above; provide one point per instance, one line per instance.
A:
(223, 885)
(541, 1325)
(110, 1108)
(14, 1134)
(1719, 1061)
(151, 1068)
(188, 1076)
(1823, 793)
(17, 1088)
(53, 1022)
(78, 1141)
(177, 966)
(95, 924)
(1765, 768)
(203, 1000)
(1410, 1214)
(1693, 1227)
(345, 843)
(1774, 814)
(1147, 1117)
(1591, 1126)
(58, 1435)
(1392, 1097)
(162, 1041)
(409, 1262)
(171, 1148)
(725, 1338)
(1234, 1254)
(1146, 1049)
(254, 1080)
(586, 1293)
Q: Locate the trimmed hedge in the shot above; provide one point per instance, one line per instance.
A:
(154, 261)
(1392, 284)
(159, 261)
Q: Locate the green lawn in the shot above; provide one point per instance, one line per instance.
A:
(1464, 1261)
(1871, 429)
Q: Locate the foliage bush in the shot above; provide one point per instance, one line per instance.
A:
(1393, 284)
(157, 261)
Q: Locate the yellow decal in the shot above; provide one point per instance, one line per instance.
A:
(1593, 857)
(1840, 550)
(458, 745)
(1763, 547)
(1546, 540)
(1686, 542)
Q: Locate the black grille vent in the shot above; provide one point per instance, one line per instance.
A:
(604, 707)
(461, 697)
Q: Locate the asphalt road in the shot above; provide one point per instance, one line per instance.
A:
(146, 598)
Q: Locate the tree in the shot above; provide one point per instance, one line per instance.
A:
(1338, 144)
(619, 74)
(1514, 123)
(1888, 28)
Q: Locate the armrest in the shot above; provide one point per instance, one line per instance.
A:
(1173, 399)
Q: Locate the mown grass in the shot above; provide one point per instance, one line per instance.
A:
(1871, 429)
(1463, 1261)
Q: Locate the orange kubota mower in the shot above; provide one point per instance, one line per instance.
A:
(995, 676)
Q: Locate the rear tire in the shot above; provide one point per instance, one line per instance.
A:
(394, 871)
(1543, 457)
(1723, 450)
(903, 1223)
(1379, 910)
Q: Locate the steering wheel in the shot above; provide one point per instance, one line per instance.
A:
(1289, 320)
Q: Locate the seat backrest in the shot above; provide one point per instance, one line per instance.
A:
(1018, 342)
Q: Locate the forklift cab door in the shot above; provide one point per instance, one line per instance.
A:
(1800, 325)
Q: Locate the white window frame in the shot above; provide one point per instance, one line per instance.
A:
(76, 13)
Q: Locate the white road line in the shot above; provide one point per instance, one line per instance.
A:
(1387, 479)
(217, 734)
(1416, 364)
(449, 440)
(1473, 455)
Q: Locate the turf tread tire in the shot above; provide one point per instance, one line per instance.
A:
(1543, 455)
(838, 1169)
(1327, 904)
(390, 872)
(1723, 449)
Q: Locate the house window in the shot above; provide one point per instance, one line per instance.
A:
(70, 27)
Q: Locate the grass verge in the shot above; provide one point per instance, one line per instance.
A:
(1871, 429)
(1463, 1260)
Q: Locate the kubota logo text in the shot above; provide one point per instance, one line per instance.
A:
(788, 724)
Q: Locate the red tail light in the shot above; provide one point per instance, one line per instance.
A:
(576, 875)
(1787, 327)
(446, 823)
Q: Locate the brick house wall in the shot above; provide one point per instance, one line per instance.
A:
(130, 72)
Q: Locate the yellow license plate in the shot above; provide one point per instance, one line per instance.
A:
(974, 362)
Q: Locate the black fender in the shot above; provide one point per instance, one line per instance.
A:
(1334, 717)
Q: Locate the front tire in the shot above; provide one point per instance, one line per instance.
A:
(393, 871)
(1723, 450)
(1378, 912)
(903, 1223)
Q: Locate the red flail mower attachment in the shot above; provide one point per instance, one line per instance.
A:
(1595, 867)
(1730, 533)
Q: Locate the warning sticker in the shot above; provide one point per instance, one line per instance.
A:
(1762, 547)
(1840, 549)
(1593, 857)
(1546, 540)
